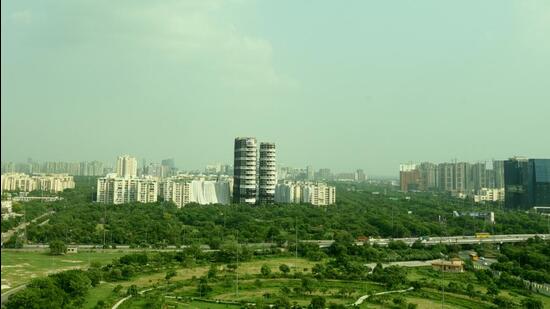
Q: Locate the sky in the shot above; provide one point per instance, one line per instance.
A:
(336, 84)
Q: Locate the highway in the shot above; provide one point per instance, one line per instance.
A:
(450, 240)
(430, 241)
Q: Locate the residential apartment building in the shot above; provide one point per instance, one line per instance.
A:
(198, 190)
(44, 182)
(114, 189)
(126, 166)
(315, 193)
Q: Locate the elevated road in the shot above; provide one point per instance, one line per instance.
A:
(450, 240)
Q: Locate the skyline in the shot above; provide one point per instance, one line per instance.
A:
(361, 86)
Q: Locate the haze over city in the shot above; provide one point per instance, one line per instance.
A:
(360, 85)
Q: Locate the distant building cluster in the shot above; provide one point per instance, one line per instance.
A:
(459, 178)
(318, 194)
(323, 174)
(93, 168)
(125, 186)
(41, 182)
(252, 180)
(520, 182)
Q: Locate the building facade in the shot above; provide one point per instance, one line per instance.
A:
(267, 178)
(315, 193)
(43, 182)
(126, 166)
(245, 170)
(526, 182)
(113, 189)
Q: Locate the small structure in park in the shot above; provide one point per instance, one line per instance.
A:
(455, 265)
(72, 250)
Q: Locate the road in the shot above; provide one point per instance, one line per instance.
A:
(7, 235)
(364, 297)
(6, 296)
(450, 240)
(404, 263)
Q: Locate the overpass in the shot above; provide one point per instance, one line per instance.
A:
(446, 240)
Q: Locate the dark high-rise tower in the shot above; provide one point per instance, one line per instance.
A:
(526, 183)
(267, 173)
(244, 170)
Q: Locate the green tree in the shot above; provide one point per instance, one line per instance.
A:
(531, 303)
(308, 285)
(492, 289)
(40, 293)
(57, 247)
(212, 271)
(132, 290)
(284, 268)
(317, 302)
(265, 270)
(203, 288)
(470, 290)
(170, 274)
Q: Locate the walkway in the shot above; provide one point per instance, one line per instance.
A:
(364, 297)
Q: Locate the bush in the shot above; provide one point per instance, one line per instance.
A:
(57, 247)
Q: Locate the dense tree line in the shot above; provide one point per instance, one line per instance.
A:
(358, 212)
(529, 260)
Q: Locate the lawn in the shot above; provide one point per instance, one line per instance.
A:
(19, 267)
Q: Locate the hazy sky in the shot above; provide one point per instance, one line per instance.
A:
(339, 84)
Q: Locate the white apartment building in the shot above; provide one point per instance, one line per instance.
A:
(113, 189)
(44, 182)
(126, 166)
(315, 193)
(200, 191)
(489, 194)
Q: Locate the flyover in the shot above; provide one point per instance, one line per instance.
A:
(446, 240)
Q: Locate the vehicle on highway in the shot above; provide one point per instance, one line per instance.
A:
(483, 235)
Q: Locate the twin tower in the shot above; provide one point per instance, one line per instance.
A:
(254, 180)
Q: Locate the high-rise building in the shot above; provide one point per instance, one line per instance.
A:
(360, 175)
(315, 193)
(113, 189)
(267, 173)
(428, 176)
(244, 170)
(126, 166)
(526, 182)
(169, 163)
(498, 170)
(409, 177)
(310, 173)
(325, 174)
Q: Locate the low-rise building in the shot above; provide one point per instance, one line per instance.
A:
(455, 265)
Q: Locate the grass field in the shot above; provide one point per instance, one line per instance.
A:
(19, 267)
